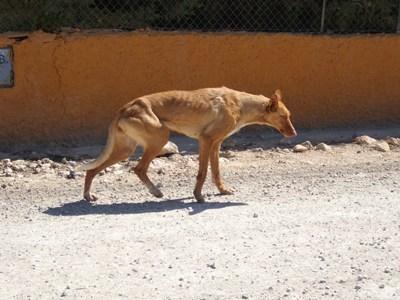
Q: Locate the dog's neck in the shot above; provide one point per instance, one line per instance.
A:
(253, 109)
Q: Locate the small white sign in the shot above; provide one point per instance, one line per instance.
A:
(6, 67)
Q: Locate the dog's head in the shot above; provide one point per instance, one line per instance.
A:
(278, 116)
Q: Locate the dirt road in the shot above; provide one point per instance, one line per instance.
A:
(312, 225)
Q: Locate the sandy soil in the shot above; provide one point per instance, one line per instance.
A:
(313, 225)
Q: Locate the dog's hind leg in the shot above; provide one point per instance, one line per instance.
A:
(158, 138)
(123, 147)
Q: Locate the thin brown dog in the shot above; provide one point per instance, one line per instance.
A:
(209, 115)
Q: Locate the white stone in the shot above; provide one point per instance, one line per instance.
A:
(300, 148)
(8, 172)
(393, 141)
(169, 148)
(381, 146)
(364, 140)
(308, 145)
(227, 154)
(223, 160)
(323, 147)
(285, 150)
(7, 163)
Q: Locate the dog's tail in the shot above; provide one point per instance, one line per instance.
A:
(106, 151)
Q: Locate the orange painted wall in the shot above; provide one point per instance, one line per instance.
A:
(68, 87)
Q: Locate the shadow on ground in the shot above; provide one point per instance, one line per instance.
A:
(82, 207)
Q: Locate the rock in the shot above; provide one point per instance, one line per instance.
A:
(37, 170)
(212, 266)
(33, 165)
(18, 165)
(7, 163)
(323, 147)
(72, 163)
(46, 166)
(116, 167)
(46, 160)
(160, 171)
(381, 146)
(19, 168)
(392, 141)
(227, 154)
(71, 175)
(299, 148)
(285, 150)
(8, 172)
(223, 160)
(63, 173)
(308, 145)
(4, 155)
(373, 143)
(175, 157)
(169, 149)
(158, 163)
(364, 140)
(257, 149)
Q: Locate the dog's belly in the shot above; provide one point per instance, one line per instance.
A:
(190, 131)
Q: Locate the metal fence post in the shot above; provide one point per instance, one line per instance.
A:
(322, 28)
(398, 19)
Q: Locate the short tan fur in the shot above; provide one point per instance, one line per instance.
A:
(209, 115)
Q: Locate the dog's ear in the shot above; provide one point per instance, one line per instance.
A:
(275, 98)
(278, 94)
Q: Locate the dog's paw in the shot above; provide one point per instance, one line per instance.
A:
(199, 198)
(90, 197)
(225, 191)
(156, 192)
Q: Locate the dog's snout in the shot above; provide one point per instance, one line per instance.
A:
(290, 134)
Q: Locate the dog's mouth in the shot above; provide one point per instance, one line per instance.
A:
(288, 134)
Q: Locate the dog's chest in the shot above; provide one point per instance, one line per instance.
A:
(239, 126)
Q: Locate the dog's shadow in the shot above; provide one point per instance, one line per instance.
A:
(82, 207)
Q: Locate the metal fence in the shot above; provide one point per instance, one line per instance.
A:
(312, 16)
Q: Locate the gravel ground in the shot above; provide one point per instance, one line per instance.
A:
(311, 225)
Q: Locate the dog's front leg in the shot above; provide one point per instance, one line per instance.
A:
(214, 161)
(204, 155)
